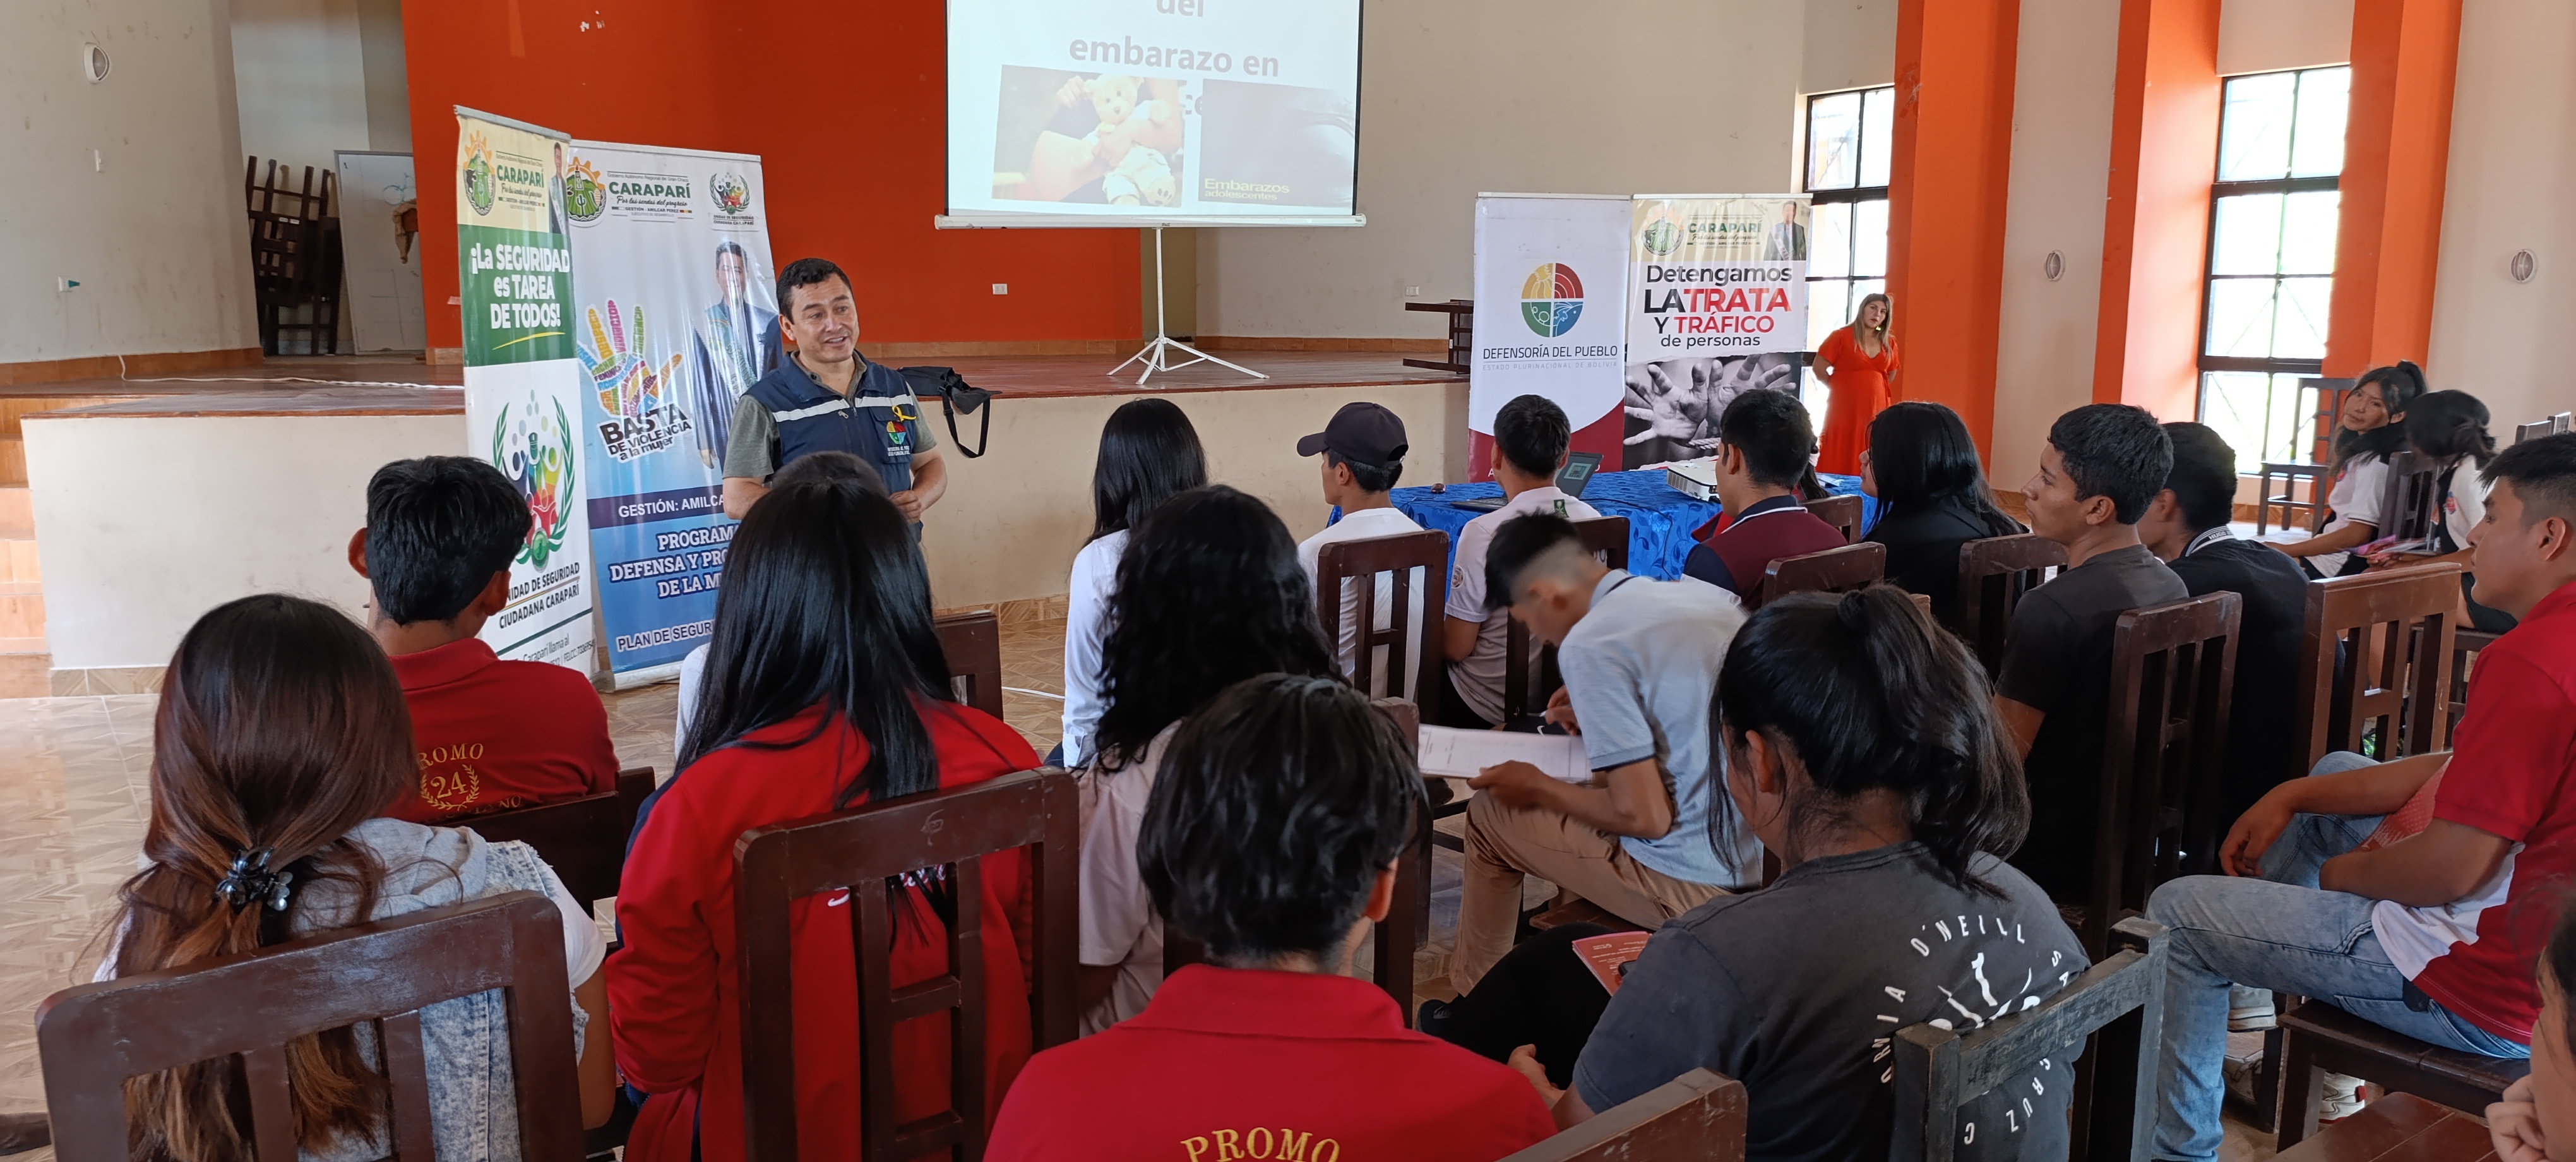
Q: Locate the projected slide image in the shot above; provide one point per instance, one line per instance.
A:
(1101, 138)
(1278, 145)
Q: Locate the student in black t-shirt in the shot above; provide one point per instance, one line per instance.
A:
(1861, 747)
(1922, 466)
(2186, 528)
(2103, 464)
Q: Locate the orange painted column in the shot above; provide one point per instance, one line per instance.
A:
(1948, 176)
(2397, 150)
(2155, 232)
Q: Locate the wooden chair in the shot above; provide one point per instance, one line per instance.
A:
(2540, 428)
(2465, 647)
(2413, 500)
(1412, 678)
(2375, 658)
(583, 839)
(2287, 500)
(93, 1037)
(2159, 808)
(2319, 1038)
(2122, 998)
(1605, 535)
(22, 1132)
(295, 257)
(1831, 571)
(856, 851)
(1994, 572)
(973, 645)
(1842, 512)
(1697, 1117)
(1407, 926)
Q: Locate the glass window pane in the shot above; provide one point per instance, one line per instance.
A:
(2246, 235)
(2240, 318)
(1869, 237)
(2234, 403)
(1829, 249)
(2287, 426)
(1863, 288)
(1833, 141)
(2325, 95)
(1877, 135)
(2308, 222)
(2254, 127)
(2300, 331)
(1828, 308)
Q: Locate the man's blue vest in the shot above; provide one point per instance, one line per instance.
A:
(874, 422)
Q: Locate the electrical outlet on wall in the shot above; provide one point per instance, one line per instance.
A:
(1001, 288)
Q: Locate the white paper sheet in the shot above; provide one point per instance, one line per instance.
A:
(1459, 754)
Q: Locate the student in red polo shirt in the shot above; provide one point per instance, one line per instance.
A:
(492, 735)
(1764, 445)
(2432, 933)
(1272, 836)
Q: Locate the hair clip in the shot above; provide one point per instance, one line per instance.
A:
(250, 882)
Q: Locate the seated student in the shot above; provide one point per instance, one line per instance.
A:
(1149, 453)
(2429, 931)
(1639, 658)
(2186, 528)
(280, 743)
(2103, 463)
(1209, 594)
(492, 735)
(1530, 437)
(1763, 444)
(1860, 746)
(813, 466)
(1932, 496)
(1363, 449)
(2372, 428)
(825, 689)
(2541, 1108)
(1272, 837)
(2450, 428)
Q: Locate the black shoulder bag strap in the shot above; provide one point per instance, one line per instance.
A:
(955, 395)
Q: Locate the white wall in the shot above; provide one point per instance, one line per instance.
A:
(151, 225)
(1462, 96)
(2061, 159)
(1851, 44)
(2513, 163)
(2262, 36)
(319, 75)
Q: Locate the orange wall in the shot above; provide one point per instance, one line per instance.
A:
(2155, 237)
(2397, 149)
(845, 103)
(1945, 223)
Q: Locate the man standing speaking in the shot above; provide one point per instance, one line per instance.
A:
(826, 397)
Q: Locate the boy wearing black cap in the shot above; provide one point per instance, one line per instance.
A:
(1363, 455)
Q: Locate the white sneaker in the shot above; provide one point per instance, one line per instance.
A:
(2342, 1098)
(2250, 1009)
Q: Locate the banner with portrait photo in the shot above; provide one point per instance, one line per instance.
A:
(523, 377)
(1550, 275)
(677, 304)
(1717, 306)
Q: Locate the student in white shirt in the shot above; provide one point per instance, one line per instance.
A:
(1148, 454)
(2450, 428)
(1363, 450)
(1530, 438)
(2373, 430)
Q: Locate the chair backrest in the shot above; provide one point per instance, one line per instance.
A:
(973, 645)
(2375, 657)
(2536, 429)
(1697, 1117)
(1994, 572)
(1842, 512)
(2413, 500)
(1408, 676)
(1407, 922)
(1606, 536)
(2287, 500)
(1831, 571)
(2466, 645)
(2160, 800)
(2562, 423)
(1939, 1069)
(857, 850)
(93, 1037)
(583, 839)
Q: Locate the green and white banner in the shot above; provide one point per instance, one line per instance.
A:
(523, 375)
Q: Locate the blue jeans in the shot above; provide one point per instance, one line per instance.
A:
(2282, 933)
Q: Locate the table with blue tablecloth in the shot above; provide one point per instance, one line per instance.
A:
(1660, 519)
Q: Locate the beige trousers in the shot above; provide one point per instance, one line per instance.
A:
(1505, 843)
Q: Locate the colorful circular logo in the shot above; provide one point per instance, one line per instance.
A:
(1661, 237)
(1551, 299)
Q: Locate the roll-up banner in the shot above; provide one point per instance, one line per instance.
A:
(677, 300)
(523, 377)
(1717, 306)
(1551, 272)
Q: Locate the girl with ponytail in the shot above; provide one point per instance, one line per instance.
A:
(2372, 429)
(2450, 428)
(280, 736)
(1862, 745)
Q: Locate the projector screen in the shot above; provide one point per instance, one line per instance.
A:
(1146, 112)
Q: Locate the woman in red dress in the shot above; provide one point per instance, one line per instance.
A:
(1859, 364)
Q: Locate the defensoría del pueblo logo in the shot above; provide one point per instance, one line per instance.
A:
(1552, 299)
